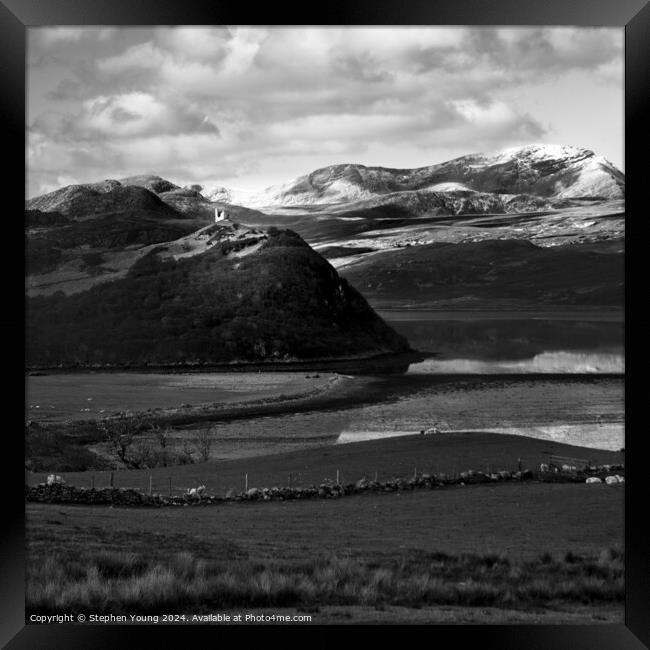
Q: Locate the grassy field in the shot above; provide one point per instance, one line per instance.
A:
(502, 546)
(521, 519)
(505, 552)
(389, 457)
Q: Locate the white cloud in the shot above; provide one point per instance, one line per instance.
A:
(50, 36)
(126, 115)
(241, 49)
(316, 128)
(495, 114)
(389, 43)
(202, 43)
(252, 101)
(57, 34)
(143, 56)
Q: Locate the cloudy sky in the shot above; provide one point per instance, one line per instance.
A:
(250, 107)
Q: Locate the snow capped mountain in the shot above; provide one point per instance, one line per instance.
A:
(539, 170)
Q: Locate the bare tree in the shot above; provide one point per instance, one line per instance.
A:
(121, 432)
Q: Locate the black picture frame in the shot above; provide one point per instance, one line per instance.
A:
(17, 15)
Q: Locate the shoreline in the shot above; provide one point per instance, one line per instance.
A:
(339, 391)
(390, 363)
(338, 394)
(412, 313)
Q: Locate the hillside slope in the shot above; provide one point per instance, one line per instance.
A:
(492, 274)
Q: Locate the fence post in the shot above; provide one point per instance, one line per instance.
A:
(150, 484)
(375, 476)
(111, 479)
(519, 463)
(415, 472)
(246, 483)
(338, 476)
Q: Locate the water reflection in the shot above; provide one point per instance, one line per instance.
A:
(547, 362)
(494, 345)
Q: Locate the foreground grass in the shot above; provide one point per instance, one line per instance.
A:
(118, 582)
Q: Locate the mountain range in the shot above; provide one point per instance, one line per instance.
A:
(139, 263)
(551, 172)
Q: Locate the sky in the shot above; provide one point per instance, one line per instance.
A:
(250, 107)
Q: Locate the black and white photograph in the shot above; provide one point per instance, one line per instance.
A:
(325, 325)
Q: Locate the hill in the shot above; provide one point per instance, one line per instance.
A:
(83, 202)
(84, 234)
(226, 294)
(133, 194)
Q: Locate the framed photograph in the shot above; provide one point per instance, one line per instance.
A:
(325, 321)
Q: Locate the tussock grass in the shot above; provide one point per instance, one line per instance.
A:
(117, 582)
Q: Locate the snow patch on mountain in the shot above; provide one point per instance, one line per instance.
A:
(539, 152)
(594, 179)
(448, 187)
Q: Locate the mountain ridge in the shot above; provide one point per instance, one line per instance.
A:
(547, 171)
